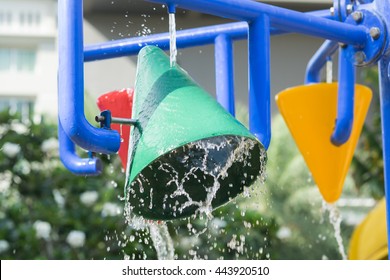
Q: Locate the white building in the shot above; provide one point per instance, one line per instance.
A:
(28, 60)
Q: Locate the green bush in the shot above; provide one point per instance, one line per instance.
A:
(48, 213)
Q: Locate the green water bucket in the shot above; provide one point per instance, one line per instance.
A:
(187, 154)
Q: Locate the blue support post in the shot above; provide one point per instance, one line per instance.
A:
(71, 83)
(259, 79)
(318, 61)
(384, 82)
(224, 72)
(346, 99)
(75, 164)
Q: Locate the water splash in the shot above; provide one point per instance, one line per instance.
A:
(172, 40)
(237, 150)
(335, 219)
(187, 180)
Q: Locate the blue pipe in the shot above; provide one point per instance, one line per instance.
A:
(224, 72)
(259, 79)
(384, 82)
(184, 39)
(283, 19)
(346, 99)
(313, 70)
(71, 83)
(75, 164)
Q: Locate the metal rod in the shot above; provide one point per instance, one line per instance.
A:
(384, 82)
(224, 72)
(75, 164)
(259, 80)
(71, 83)
(124, 121)
(101, 119)
(346, 98)
(185, 39)
(280, 18)
(318, 61)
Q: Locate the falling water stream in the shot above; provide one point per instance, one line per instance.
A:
(335, 220)
(172, 41)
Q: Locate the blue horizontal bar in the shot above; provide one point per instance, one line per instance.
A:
(283, 19)
(185, 39)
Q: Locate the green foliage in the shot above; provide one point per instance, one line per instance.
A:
(235, 232)
(41, 203)
(294, 201)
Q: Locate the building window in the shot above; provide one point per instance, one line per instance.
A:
(29, 18)
(5, 59)
(38, 19)
(5, 18)
(24, 107)
(18, 60)
(25, 60)
(9, 18)
(22, 19)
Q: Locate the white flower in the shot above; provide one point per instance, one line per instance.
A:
(76, 238)
(3, 129)
(23, 166)
(59, 198)
(11, 149)
(19, 128)
(89, 198)
(110, 209)
(4, 246)
(50, 145)
(5, 181)
(42, 229)
(284, 233)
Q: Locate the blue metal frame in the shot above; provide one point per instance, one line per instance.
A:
(71, 83)
(224, 72)
(318, 61)
(260, 21)
(75, 164)
(345, 100)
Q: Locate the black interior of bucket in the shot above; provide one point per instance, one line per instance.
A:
(152, 193)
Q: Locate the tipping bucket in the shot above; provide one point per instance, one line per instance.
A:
(187, 154)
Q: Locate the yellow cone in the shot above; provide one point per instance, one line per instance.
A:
(310, 114)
